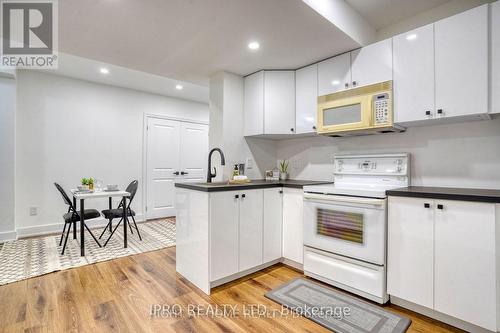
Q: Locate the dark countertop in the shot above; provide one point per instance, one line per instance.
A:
(448, 193)
(254, 184)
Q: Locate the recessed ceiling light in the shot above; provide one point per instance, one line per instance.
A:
(104, 70)
(253, 46)
(179, 87)
(335, 82)
(411, 37)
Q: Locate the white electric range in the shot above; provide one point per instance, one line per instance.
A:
(345, 223)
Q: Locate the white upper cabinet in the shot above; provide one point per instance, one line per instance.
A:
(413, 56)
(279, 102)
(372, 64)
(495, 57)
(306, 98)
(254, 104)
(334, 74)
(461, 60)
(269, 105)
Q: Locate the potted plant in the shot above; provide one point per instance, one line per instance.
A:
(87, 183)
(283, 167)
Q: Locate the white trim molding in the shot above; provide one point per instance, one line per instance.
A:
(53, 228)
(8, 236)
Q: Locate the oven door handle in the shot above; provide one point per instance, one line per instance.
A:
(341, 198)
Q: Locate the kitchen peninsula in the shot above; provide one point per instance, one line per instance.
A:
(226, 231)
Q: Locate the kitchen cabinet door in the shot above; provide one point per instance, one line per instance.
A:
(254, 104)
(250, 231)
(495, 57)
(461, 43)
(293, 210)
(273, 223)
(372, 64)
(334, 74)
(413, 57)
(410, 251)
(279, 102)
(224, 213)
(306, 98)
(465, 261)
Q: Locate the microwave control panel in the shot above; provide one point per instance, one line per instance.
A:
(381, 108)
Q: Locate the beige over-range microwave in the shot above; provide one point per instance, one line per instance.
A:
(359, 111)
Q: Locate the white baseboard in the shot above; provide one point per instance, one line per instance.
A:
(45, 229)
(293, 264)
(438, 316)
(8, 236)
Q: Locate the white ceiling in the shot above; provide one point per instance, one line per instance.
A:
(189, 40)
(89, 70)
(382, 13)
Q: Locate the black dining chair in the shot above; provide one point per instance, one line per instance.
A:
(73, 216)
(112, 214)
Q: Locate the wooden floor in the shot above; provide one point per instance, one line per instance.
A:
(118, 296)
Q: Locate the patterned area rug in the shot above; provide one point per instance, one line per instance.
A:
(26, 258)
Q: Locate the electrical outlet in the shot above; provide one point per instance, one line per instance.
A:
(249, 163)
(33, 211)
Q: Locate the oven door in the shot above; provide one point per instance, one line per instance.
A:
(354, 227)
(347, 114)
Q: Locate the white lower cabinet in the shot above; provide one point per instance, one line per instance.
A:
(495, 57)
(410, 272)
(250, 229)
(464, 260)
(293, 208)
(245, 230)
(441, 255)
(273, 224)
(224, 213)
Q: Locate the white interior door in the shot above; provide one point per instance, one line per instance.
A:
(163, 151)
(193, 152)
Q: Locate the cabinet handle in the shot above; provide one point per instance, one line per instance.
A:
(314, 127)
(440, 206)
(426, 205)
(243, 195)
(236, 196)
(184, 173)
(281, 191)
(346, 85)
(354, 83)
(291, 129)
(427, 113)
(176, 173)
(440, 111)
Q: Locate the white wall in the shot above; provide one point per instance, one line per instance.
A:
(7, 157)
(455, 155)
(68, 129)
(226, 128)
